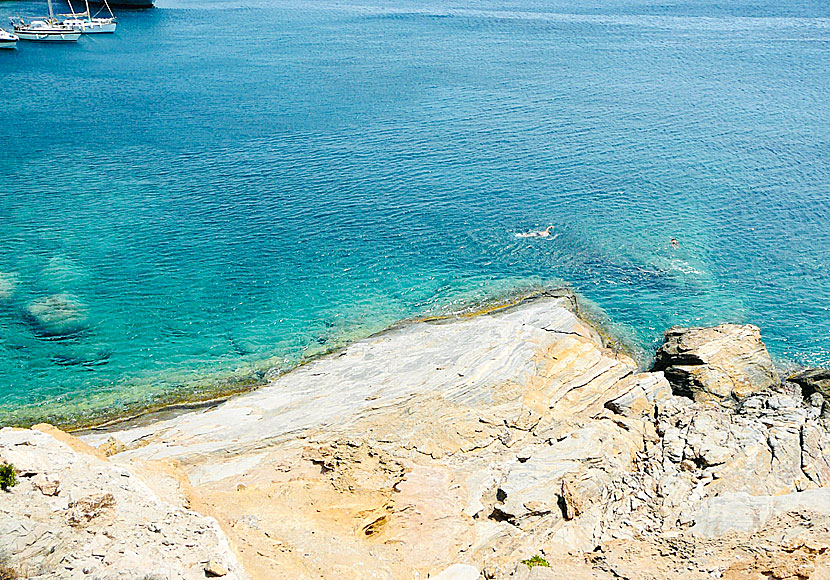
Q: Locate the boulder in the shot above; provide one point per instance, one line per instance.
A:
(214, 569)
(812, 381)
(646, 389)
(576, 468)
(716, 363)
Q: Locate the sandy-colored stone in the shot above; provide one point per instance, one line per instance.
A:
(458, 572)
(100, 520)
(741, 512)
(811, 381)
(716, 363)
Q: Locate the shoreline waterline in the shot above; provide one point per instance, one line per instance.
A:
(208, 388)
(183, 404)
(193, 398)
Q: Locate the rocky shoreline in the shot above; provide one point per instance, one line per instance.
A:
(513, 444)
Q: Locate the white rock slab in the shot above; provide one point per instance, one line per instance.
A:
(461, 359)
(458, 572)
(741, 512)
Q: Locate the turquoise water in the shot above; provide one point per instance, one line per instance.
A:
(224, 187)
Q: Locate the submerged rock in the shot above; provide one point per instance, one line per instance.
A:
(8, 286)
(716, 363)
(62, 272)
(57, 316)
(82, 356)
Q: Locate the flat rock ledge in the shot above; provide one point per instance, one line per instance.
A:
(507, 445)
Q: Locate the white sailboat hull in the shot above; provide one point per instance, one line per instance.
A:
(8, 43)
(45, 29)
(49, 35)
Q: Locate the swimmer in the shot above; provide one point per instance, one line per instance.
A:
(545, 233)
(674, 243)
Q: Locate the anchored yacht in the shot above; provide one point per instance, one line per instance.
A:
(85, 23)
(90, 25)
(45, 29)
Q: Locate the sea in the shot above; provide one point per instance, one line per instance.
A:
(224, 189)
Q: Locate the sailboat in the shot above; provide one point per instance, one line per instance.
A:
(45, 29)
(85, 23)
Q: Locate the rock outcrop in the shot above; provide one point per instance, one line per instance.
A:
(813, 381)
(716, 363)
(75, 515)
(508, 445)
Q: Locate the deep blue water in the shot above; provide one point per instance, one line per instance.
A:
(222, 187)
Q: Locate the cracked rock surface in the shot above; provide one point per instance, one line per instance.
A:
(73, 514)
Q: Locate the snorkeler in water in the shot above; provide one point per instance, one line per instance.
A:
(674, 243)
(545, 233)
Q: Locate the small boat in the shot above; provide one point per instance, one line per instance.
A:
(45, 29)
(85, 23)
(7, 39)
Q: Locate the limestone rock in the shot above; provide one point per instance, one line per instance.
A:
(741, 512)
(642, 392)
(354, 464)
(812, 381)
(815, 453)
(46, 485)
(583, 461)
(112, 446)
(214, 569)
(458, 572)
(74, 514)
(572, 501)
(484, 440)
(82, 511)
(716, 363)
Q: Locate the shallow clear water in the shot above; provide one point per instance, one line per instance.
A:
(222, 187)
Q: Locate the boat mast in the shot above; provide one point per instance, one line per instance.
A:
(88, 13)
(51, 12)
(71, 9)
